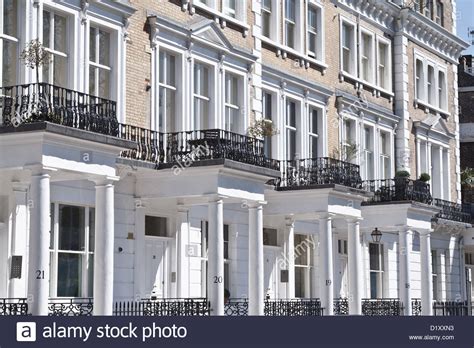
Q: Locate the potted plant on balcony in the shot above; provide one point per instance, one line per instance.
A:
(467, 185)
(401, 185)
(35, 56)
(422, 189)
(262, 128)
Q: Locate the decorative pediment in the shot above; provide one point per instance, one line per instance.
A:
(208, 31)
(434, 126)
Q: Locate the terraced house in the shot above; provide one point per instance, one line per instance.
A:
(232, 157)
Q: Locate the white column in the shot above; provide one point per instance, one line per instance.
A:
(290, 255)
(326, 282)
(104, 248)
(354, 254)
(38, 285)
(215, 275)
(426, 274)
(19, 237)
(182, 232)
(256, 266)
(139, 275)
(404, 252)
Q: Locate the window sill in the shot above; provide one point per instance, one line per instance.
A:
(283, 51)
(219, 17)
(359, 83)
(428, 107)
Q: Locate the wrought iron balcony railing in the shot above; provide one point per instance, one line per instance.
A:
(40, 102)
(397, 190)
(453, 211)
(163, 307)
(13, 306)
(341, 306)
(186, 148)
(416, 306)
(383, 307)
(71, 306)
(293, 307)
(236, 307)
(318, 171)
(209, 144)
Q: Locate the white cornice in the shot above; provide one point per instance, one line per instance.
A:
(394, 19)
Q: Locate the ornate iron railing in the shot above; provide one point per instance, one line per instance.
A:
(453, 211)
(39, 102)
(318, 171)
(150, 146)
(398, 189)
(451, 308)
(191, 146)
(13, 306)
(293, 307)
(416, 306)
(236, 307)
(163, 307)
(71, 307)
(341, 306)
(467, 194)
(383, 307)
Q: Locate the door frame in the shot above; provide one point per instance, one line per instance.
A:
(275, 250)
(166, 241)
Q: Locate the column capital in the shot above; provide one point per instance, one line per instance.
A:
(289, 221)
(324, 215)
(424, 233)
(405, 229)
(255, 204)
(105, 181)
(215, 198)
(40, 170)
(354, 220)
(182, 208)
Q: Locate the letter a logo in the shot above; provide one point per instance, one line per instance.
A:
(26, 332)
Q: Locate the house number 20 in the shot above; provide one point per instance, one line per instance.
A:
(217, 280)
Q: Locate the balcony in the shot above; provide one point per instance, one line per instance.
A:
(193, 148)
(444, 308)
(43, 102)
(293, 307)
(382, 307)
(163, 307)
(67, 307)
(453, 211)
(398, 190)
(318, 172)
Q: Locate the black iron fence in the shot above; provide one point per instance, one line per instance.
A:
(382, 307)
(416, 306)
(451, 308)
(13, 306)
(293, 307)
(71, 307)
(39, 102)
(318, 171)
(163, 307)
(341, 306)
(398, 189)
(453, 211)
(236, 307)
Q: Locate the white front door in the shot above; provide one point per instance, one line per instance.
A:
(155, 267)
(343, 272)
(270, 272)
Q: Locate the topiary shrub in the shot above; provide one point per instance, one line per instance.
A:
(425, 177)
(402, 174)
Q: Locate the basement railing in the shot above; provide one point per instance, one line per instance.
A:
(382, 307)
(71, 306)
(163, 307)
(236, 307)
(13, 306)
(293, 307)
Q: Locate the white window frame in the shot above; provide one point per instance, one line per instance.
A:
(385, 156)
(14, 40)
(296, 25)
(370, 58)
(164, 127)
(353, 134)
(55, 251)
(320, 47)
(421, 97)
(229, 106)
(367, 151)
(353, 49)
(443, 89)
(218, 9)
(269, 142)
(290, 128)
(388, 66)
(319, 136)
(306, 268)
(210, 98)
(380, 273)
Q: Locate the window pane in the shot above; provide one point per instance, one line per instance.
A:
(155, 226)
(9, 63)
(91, 229)
(104, 83)
(314, 121)
(69, 275)
(59, 71)
(374, 257)
(201, 115)
(301, 250)
(71, 228)
(104, 48)
(314, 147)
(290, 34)
(166, 110)
(10, 13)
(90, 276)
(291, 144)
(266, 18)
(46, 29)
(291, 114)
(92, 45)
(92, 84)
(51, 226)
(60, 34)
(300, 282)
(290, 10)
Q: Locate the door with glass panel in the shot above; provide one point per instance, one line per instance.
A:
(233, 117)
(55, 41)
(100, 62)
(202, 96)
(9, 42)
(290, 130)
(270, 256)
(167, 93)
(376, 270)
